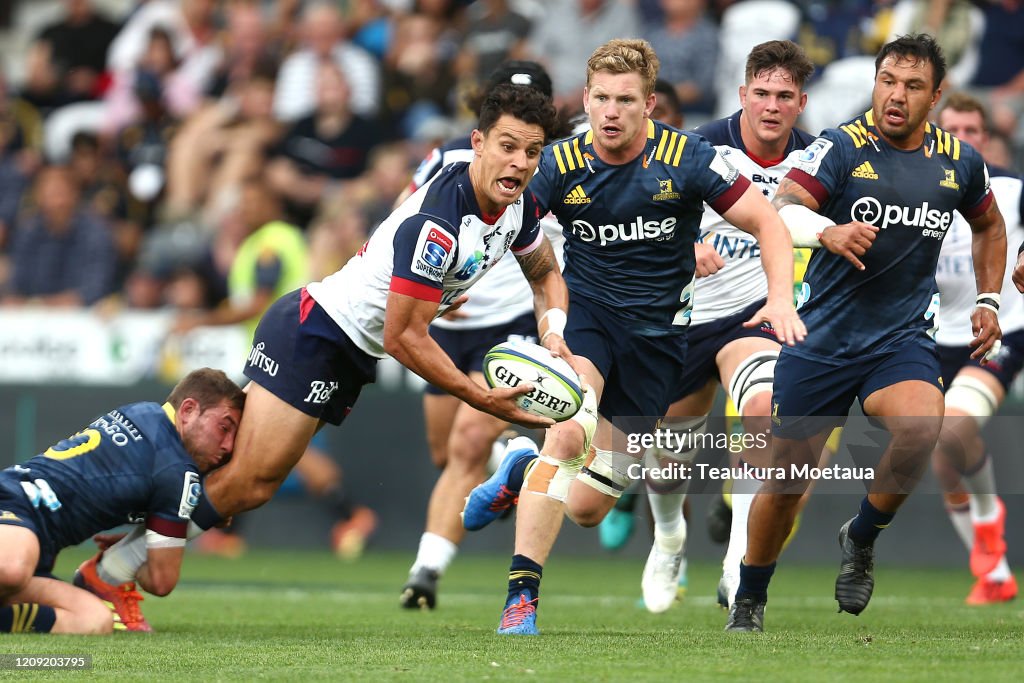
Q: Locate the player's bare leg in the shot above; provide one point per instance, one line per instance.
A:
(272, 436)
(35, 604)
(541, 506)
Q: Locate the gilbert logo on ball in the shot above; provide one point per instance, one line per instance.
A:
(556, 393)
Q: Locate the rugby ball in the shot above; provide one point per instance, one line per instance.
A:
(557, 392)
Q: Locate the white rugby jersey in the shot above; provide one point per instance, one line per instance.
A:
(503, 294)
(954, 273)
(742, 281)
(433, 247)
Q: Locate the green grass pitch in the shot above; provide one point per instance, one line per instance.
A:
(288, 615)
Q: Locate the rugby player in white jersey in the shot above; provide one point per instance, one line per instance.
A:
(975, 390)
(500, 308)
(731, 287)
(316, 347)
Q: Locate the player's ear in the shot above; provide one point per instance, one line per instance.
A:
(803, 101)
(586, 99)
(477, 140)
(189, 408)
(743, 96)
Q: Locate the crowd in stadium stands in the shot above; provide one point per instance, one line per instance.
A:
(127, 142)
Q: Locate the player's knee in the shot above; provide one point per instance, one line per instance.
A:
(753, 379)
(917, 436)
(14, 575)
(95, 620)
(757, 409)
(470, 445)
(587, 509)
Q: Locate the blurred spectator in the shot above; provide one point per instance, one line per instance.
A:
(370, 26)
(142, 145)
(833, 30)
(191, 36)
(271, 261)
(247, 48)
(687, 45)
(569, 33)
(102, 183)
(330, 145)
(418, 79)
(337, 233)
(999, 78)
(74, 51)
(20, 140)
(495, 32)
(323, 31)
(376, 191)
(220, 145)
(156, 76)
(62, 254)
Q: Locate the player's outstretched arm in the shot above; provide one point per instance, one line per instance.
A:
(550, 297)
(406, 339)
(753, 214)
(988, 251)
(159, 574)
(798, 210)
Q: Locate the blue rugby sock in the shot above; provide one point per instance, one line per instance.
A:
(524, 577)
(754, 581)
(868, 523)
(27, 617)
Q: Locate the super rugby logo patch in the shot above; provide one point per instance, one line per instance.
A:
(190, 492)
(433, 252)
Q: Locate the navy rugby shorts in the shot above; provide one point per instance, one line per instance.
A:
(301, 356)
(640, 370)
(467, 347)
(811, 396)
(1004, 367)
(16, 510)
(707, 339)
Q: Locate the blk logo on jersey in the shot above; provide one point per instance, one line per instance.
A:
(665, 191)
(637, 229)
(870, 210)
(320, 392)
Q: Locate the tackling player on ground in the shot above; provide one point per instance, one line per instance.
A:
(629, 194)
(975, 390)
(138, 462)
(886, 185)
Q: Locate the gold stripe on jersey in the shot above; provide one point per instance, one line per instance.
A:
(558, 159)
(576, 152)
(660, 150)
(869, 117)
(588, 139)
(854, 134)
(956, 148)
(650, 129)
(679, 150)
(570, 161)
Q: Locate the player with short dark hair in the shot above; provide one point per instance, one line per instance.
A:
(629, 194)
(461, 438)
(975, 390)
(140, 463)
(878, 193)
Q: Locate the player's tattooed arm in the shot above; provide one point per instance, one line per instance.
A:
(549, 292)
(791, 192)
(539, 262)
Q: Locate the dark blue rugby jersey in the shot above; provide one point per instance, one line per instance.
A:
(630, 228)
(126, 465)
(910, 196)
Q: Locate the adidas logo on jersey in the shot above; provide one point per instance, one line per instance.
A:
(577, 196)
(865, 171)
